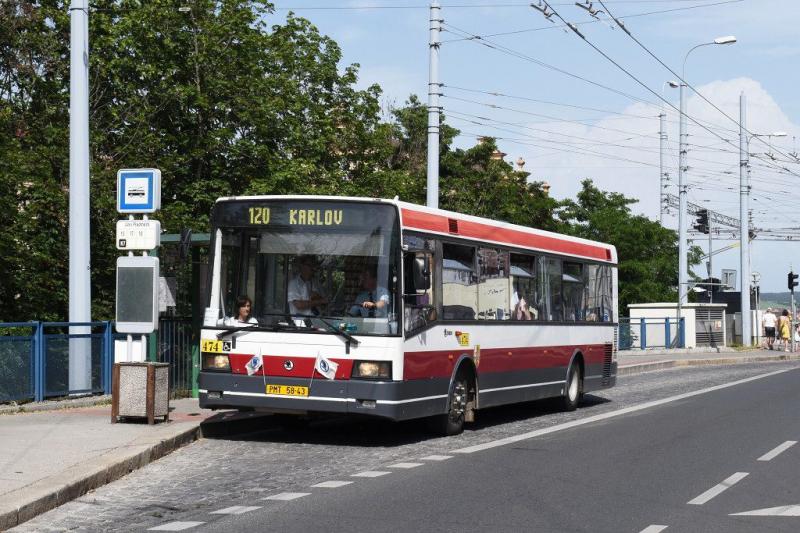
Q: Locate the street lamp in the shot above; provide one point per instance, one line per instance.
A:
(662, 134)
(683, 269)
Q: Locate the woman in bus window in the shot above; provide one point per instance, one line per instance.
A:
(244, 308)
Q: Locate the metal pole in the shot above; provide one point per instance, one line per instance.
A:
(682, 252)
(791, 322)
(663, 176)
(744, 229)
(710, 264)
(433, 108)
(80, 298)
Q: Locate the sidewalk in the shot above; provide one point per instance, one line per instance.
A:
(52, 457)
(637, 361)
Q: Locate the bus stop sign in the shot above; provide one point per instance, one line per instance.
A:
(138, 190)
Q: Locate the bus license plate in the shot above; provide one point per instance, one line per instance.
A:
(287, 390)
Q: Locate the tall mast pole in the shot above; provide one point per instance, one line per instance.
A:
(80, 297)
(433, 107)
(744, 228)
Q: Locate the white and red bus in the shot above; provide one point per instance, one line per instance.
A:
(462, 313)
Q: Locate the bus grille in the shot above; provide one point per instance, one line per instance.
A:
(608, 353)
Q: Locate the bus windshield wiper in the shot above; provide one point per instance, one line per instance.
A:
(230, 330)
(347, 337)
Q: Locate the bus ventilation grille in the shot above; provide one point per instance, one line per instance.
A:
(608, 351)
(453, 225)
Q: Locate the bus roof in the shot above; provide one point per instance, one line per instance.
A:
(458, 225)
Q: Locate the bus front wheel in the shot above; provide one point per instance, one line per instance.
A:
(452, 422)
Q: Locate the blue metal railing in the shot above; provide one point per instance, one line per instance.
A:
(35, 358)
(642, 333)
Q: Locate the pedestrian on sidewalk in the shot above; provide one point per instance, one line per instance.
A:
(784, 329)
(769, 321)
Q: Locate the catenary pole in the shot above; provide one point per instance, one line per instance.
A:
(79, 254)
(683, 285)
(744, 229)
(433, 107)
(662, 182)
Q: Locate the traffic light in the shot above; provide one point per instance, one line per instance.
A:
(792, 281)
(701, 224)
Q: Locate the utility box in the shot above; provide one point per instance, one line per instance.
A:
(140, 390)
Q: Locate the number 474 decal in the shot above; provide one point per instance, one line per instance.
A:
(214, 346)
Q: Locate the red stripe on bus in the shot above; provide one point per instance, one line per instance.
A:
(440, 363)
(302, 367)
(485, 232)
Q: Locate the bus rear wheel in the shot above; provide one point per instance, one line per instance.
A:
(452, 422)
(574, 388)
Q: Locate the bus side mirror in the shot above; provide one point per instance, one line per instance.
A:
(422, 274)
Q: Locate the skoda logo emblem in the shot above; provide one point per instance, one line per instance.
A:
(288, 365)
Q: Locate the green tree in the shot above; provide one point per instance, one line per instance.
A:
(220, 100)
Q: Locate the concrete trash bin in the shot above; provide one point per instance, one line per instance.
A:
(140, 390)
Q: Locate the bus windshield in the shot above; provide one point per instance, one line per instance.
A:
(311, 265)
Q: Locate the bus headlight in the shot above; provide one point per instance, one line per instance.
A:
(372, 369)
(213, 361)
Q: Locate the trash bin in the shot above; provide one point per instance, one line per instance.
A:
(140, 390)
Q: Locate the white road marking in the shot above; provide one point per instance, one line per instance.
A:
(777, 451)
(611, 414)
(175, 526)
(653, 529)
(236, 509)
(784, 510)
(370, 473)
(405, 465)
(716, 490)
(332, 484)
(286, 496)
(437, 458)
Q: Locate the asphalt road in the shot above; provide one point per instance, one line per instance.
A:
(676, 450)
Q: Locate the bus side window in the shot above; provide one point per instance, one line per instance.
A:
(493, 293)
(524, 294)
(459, 283)
(573, 291)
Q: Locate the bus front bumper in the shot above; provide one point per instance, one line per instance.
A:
(396, 400)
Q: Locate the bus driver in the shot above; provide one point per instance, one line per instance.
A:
(373, 300)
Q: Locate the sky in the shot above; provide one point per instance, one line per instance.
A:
(553, 99)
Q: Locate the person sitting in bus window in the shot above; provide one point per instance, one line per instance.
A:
(373, 300)
(305, 296)
(243, 315)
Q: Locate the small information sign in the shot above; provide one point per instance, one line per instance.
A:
(138, 190)
(137, 294)
(138, 234)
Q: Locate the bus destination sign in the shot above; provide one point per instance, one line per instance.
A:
(350, 215)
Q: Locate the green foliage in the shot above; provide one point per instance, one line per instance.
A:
(226, 103)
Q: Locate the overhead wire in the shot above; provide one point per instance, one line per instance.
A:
(698, 93)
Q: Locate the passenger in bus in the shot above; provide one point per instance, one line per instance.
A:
(521, 309)
(305, 296)
(243, 315)
(373, 300)
(244, 308)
